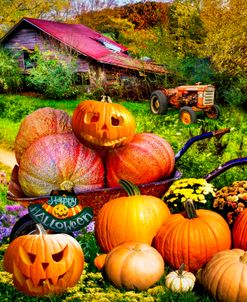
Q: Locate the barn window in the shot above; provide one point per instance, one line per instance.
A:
(28, 61)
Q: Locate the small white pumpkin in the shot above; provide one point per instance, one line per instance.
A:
(180, 280)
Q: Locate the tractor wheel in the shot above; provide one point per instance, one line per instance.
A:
(158, 102)
(213, 112)
(187, 115)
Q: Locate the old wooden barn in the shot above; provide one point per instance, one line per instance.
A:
(100, 60)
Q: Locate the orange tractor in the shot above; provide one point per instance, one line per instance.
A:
(189, 99)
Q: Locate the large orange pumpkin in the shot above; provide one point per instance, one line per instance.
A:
(131, 218)
(41, 122)
(43, 263)
(102, 124)
(134, 265)
(147, 158)
(59, 162)
(240, 231)
(192, 237)
(225, 276)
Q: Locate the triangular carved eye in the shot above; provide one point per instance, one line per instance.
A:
(32, 257)
(60, 255)
(26, 257)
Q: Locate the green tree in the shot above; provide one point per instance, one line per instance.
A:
(226, 45)
(13, 10)
(226, 42)
(186, 29)
(10, 74)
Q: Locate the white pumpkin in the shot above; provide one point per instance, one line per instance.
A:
(180, 280)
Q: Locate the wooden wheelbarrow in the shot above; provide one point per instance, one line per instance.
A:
(66, 212)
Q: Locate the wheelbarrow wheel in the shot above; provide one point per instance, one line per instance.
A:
(26, 225)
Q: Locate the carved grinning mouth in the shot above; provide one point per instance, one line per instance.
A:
(44, 285)
(104, 142)
(33, 284)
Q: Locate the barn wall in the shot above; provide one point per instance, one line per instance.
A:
(29, 38)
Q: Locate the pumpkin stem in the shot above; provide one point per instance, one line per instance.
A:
(40, 230)
(190, 209)
(67, 185)
(181, 269)
(129, 187)
(106, 99)
(244, 258)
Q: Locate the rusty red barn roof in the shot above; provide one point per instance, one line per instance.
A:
(91, 43)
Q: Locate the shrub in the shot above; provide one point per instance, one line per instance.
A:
(236, 94)
(16, 108)
(52, 75)
(10, 74)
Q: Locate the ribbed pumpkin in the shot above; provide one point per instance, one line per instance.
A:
(192, 237)
(132, 218)
(41, 122)
(240, 231)
(225, 276)
(134, 265)
(147, 158)
(59, 162)
(103, 124)
(43, 263)
(180, 280)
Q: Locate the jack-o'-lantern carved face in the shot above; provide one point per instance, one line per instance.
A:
(103, 125)
(60, 211)
(44, 264)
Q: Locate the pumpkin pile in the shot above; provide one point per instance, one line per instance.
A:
(95, 148)
(138, 234)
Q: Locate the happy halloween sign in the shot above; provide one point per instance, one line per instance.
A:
(61, 213)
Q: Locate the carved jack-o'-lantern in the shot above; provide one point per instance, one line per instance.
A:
(103, 124)
(44, 263)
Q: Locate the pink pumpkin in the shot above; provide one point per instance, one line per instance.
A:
(59, 161)
(41, 122)
(147, 158)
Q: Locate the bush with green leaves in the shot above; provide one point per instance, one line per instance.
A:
(16, 108)
(11, 78)
(52, 75)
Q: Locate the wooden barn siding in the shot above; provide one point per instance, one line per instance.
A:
(30, 37)
(109, 76)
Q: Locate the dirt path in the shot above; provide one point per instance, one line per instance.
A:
(7, 158)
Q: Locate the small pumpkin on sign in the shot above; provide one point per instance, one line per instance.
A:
(44, 263)
(180, 280)
(103, 125)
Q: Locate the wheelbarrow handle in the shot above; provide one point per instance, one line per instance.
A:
(198, 138)
(226, 166)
